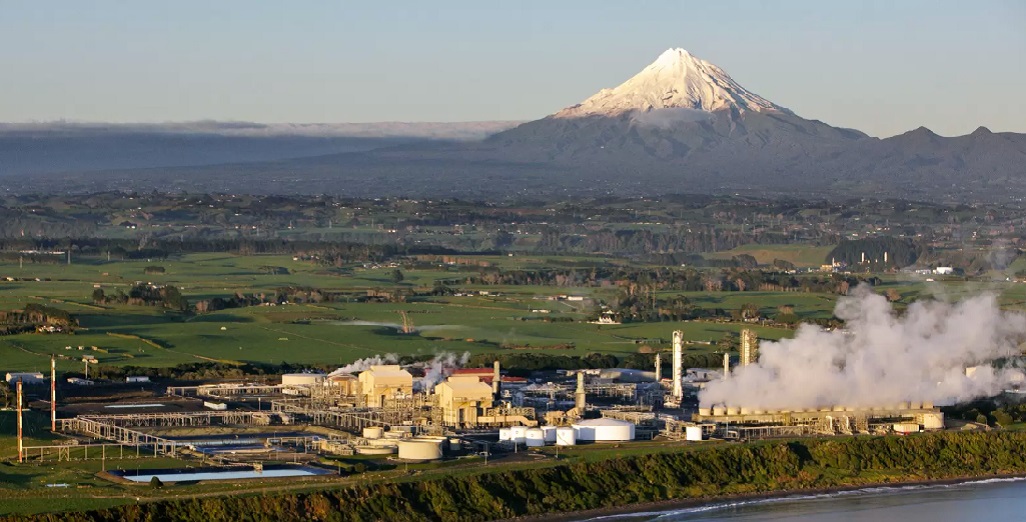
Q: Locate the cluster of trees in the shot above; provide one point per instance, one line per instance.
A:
(33, 316)
(522, 364)
(198, 371)
(900, 252)
(167, 296)
(614, 482)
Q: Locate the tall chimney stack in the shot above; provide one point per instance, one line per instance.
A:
(496, 379)
(678, 365)
(580, 396)
(726, 365)
(659, 367)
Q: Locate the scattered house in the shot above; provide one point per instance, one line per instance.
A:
(944, 270)
(137, 378)
(25, 377)
(78, 381)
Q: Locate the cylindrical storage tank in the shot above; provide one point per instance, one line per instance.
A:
(549, 433)
(302, 378)
(933, 421)
(604, 430)
(733, 410)
(420, 449)
(903, 405)
(505, 434)
(705, 412)
(719, 411)
(455, 444)
(927, 405)
(444, 441)
(838, 408)
(565, 436)
(375, 450)
(373, 432)
(915, 405)
(758, 411)
(535, 438)
(693, 433)
(518, 434)
(745, 411)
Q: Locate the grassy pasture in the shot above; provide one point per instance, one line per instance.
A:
(323, 333)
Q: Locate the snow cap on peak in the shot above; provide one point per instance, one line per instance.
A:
(676, 79)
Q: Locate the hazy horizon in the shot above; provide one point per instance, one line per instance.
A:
(880, 68)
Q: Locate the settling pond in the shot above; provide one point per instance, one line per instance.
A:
(189, 475)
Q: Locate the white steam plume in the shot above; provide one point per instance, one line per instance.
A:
(360, 365)
(881, 359)
(437, 368)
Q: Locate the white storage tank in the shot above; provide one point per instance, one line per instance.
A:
(420, 449)
(505, 434)
(693, 433)
(535, 438)
(906, 427)
(373, 432)
(302, 379)
(566, 436)
(705, 412)
(518, 434)
(604, 430)
(933, 421)
(550, 434)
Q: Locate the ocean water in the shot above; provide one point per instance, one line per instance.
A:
(993, 499)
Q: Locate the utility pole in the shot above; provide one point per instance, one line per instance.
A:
(21, 440)
(53, 393)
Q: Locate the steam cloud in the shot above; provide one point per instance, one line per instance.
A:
(436, 369)
(666, 118)
(882, 359)
(360, 365)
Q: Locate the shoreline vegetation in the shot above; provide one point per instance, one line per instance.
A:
(699, 475)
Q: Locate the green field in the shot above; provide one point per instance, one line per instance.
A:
(324, 333)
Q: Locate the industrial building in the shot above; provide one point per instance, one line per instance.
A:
(381, 385)
(462, 399)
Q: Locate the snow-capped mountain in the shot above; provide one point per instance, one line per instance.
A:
(681, 125)
(676, 80)
(678, 109)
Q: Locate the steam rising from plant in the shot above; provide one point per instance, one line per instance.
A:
(360, 365)
(436, 370)
(882, 359)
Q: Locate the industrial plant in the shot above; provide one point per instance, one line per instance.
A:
(429, 411)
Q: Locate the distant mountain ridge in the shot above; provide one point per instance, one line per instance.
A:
(681, 125)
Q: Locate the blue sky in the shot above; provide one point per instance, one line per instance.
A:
(882, 67)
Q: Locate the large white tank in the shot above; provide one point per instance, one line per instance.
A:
(604, 430)
(505, 434)
(518, 434)
(535, 438)
(693, 433)
(566, 436)
(420, 449)
(549, 434)
(933, 421)
(373, 432)
(302, 378)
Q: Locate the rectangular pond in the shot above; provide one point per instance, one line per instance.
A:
(189, 475)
